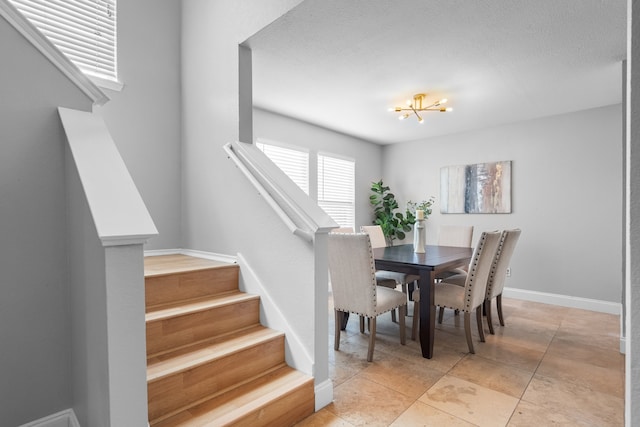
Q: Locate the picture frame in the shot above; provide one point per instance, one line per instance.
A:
(483, 188)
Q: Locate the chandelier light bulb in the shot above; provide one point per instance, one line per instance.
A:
(443, 101)
(421, 120)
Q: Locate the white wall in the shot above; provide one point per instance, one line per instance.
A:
(368, 156)
(35, 319)
(223, 213)
(144, 118)
(566, 196)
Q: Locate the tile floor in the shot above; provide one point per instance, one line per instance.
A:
(549, 365)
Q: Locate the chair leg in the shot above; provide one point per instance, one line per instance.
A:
(402, 310)
(499, 306)
(487, 309)
(372, 338)
(416, 320)
(393, 316)
(339, 317)
(467, 331)
(345, 319)
(362, 324)
(440, 314)
(479, 321)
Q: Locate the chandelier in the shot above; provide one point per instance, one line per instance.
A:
(415, 106)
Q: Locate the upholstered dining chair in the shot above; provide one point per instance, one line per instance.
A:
(471, 296)
(458, 236)
(343, 230)
(378, 241)
(455, 235)
(381, 281)
(498, 274)
(353, 281)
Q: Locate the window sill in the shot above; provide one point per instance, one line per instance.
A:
(106, 84)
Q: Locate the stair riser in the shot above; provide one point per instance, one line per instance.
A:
(177, 331)
(171, 393)
(292, 408)
(176, 287)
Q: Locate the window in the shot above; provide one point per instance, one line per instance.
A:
(84, 30)
(336, 189)
(335, 179)
(294, 163)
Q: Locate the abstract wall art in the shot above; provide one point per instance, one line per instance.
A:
(478, 188)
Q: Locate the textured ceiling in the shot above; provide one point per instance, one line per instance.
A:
(341, 64)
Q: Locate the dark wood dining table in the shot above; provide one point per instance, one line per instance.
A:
(427, 265)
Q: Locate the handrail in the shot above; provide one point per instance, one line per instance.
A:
(296, 209)
(306, 235)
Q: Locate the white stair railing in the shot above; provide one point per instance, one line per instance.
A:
(302, 216)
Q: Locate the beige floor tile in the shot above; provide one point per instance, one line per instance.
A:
(564, 367)
(454, 337)
(494, 375)
(470, 402)
(580, 352)
(581, 403)
(510, 354)
(609, 341)
(324, 418)
(409, 378)
(530, 415)
(363, 402)
(532, 337)
(421, 415)
(591, 321)
(577, 350)
(520, 309)
(341, 372)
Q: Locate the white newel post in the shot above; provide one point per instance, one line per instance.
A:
(127, 355)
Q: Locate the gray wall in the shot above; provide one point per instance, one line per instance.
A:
(632, 294)
(35, 319)
(144, 118)
(368, 156)
(566, 196)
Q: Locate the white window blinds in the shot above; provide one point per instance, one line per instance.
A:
(294, 163)
(84, 30)
(336, 189)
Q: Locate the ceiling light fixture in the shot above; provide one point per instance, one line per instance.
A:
(416, 106)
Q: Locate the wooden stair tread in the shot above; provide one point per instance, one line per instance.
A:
(185, 307)
(194, 355)
(226, 407)
(176, 263)
(209, 360)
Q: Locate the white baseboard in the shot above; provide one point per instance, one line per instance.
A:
(158, 252)
(210, 255)
(191, 252)
(66, 418)
(324, 394)
(564, 300)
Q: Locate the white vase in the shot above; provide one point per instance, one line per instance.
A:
(419, 240)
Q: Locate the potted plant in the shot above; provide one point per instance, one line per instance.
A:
(425, 206)
(394, 224)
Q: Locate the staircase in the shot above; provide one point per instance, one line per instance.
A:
(209, 361)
